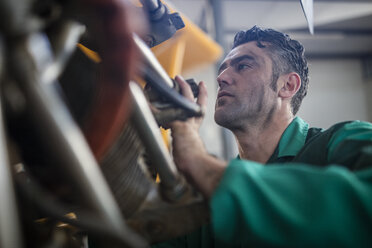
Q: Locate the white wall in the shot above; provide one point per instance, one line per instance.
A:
(337, 92)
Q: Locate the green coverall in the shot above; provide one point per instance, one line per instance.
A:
(315, 191)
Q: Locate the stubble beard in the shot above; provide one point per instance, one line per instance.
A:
(226, 117)
(235, 116)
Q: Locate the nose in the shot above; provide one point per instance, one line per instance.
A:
(224, 78)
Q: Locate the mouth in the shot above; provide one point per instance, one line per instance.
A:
(224, 93)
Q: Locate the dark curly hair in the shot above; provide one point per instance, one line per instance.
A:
(287, 56)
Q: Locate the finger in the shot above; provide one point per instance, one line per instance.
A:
(185, 88)
(203, 96)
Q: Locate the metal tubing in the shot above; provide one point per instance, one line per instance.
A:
(9, 221)
(151, 61)
(149, 132)
(151, 5)
(157, 77)
(63, 134)
(64, 44)
(15, 18)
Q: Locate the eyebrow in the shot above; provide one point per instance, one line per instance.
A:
(235, 61)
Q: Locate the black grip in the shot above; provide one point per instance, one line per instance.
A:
(194, 87)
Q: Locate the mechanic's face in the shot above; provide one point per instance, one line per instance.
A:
(244, 95)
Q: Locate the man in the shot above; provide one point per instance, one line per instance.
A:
(290, 185)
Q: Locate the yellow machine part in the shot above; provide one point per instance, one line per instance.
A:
(90, 53)
(189, 49)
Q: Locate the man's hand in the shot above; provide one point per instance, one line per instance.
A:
(192, 159)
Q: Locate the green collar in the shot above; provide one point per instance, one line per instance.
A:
(293, 138)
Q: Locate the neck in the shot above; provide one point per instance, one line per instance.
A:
(258, 142)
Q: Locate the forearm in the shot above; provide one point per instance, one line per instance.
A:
(192, 159)
(206, 173)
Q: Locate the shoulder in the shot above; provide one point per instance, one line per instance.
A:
(322, 145)
(352, 140)
(340, 131)
(351, 130)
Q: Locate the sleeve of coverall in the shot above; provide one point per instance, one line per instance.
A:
(299, 205)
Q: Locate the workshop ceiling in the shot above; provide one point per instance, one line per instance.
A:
(343, 28)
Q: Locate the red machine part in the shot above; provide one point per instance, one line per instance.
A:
(114, 25)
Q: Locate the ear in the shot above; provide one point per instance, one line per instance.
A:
(292, 83)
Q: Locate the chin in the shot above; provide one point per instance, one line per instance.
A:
(220, 118)
(217, 118)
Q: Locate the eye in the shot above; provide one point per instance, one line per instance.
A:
(242, 66)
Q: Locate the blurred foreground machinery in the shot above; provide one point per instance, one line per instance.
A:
(80, 146)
